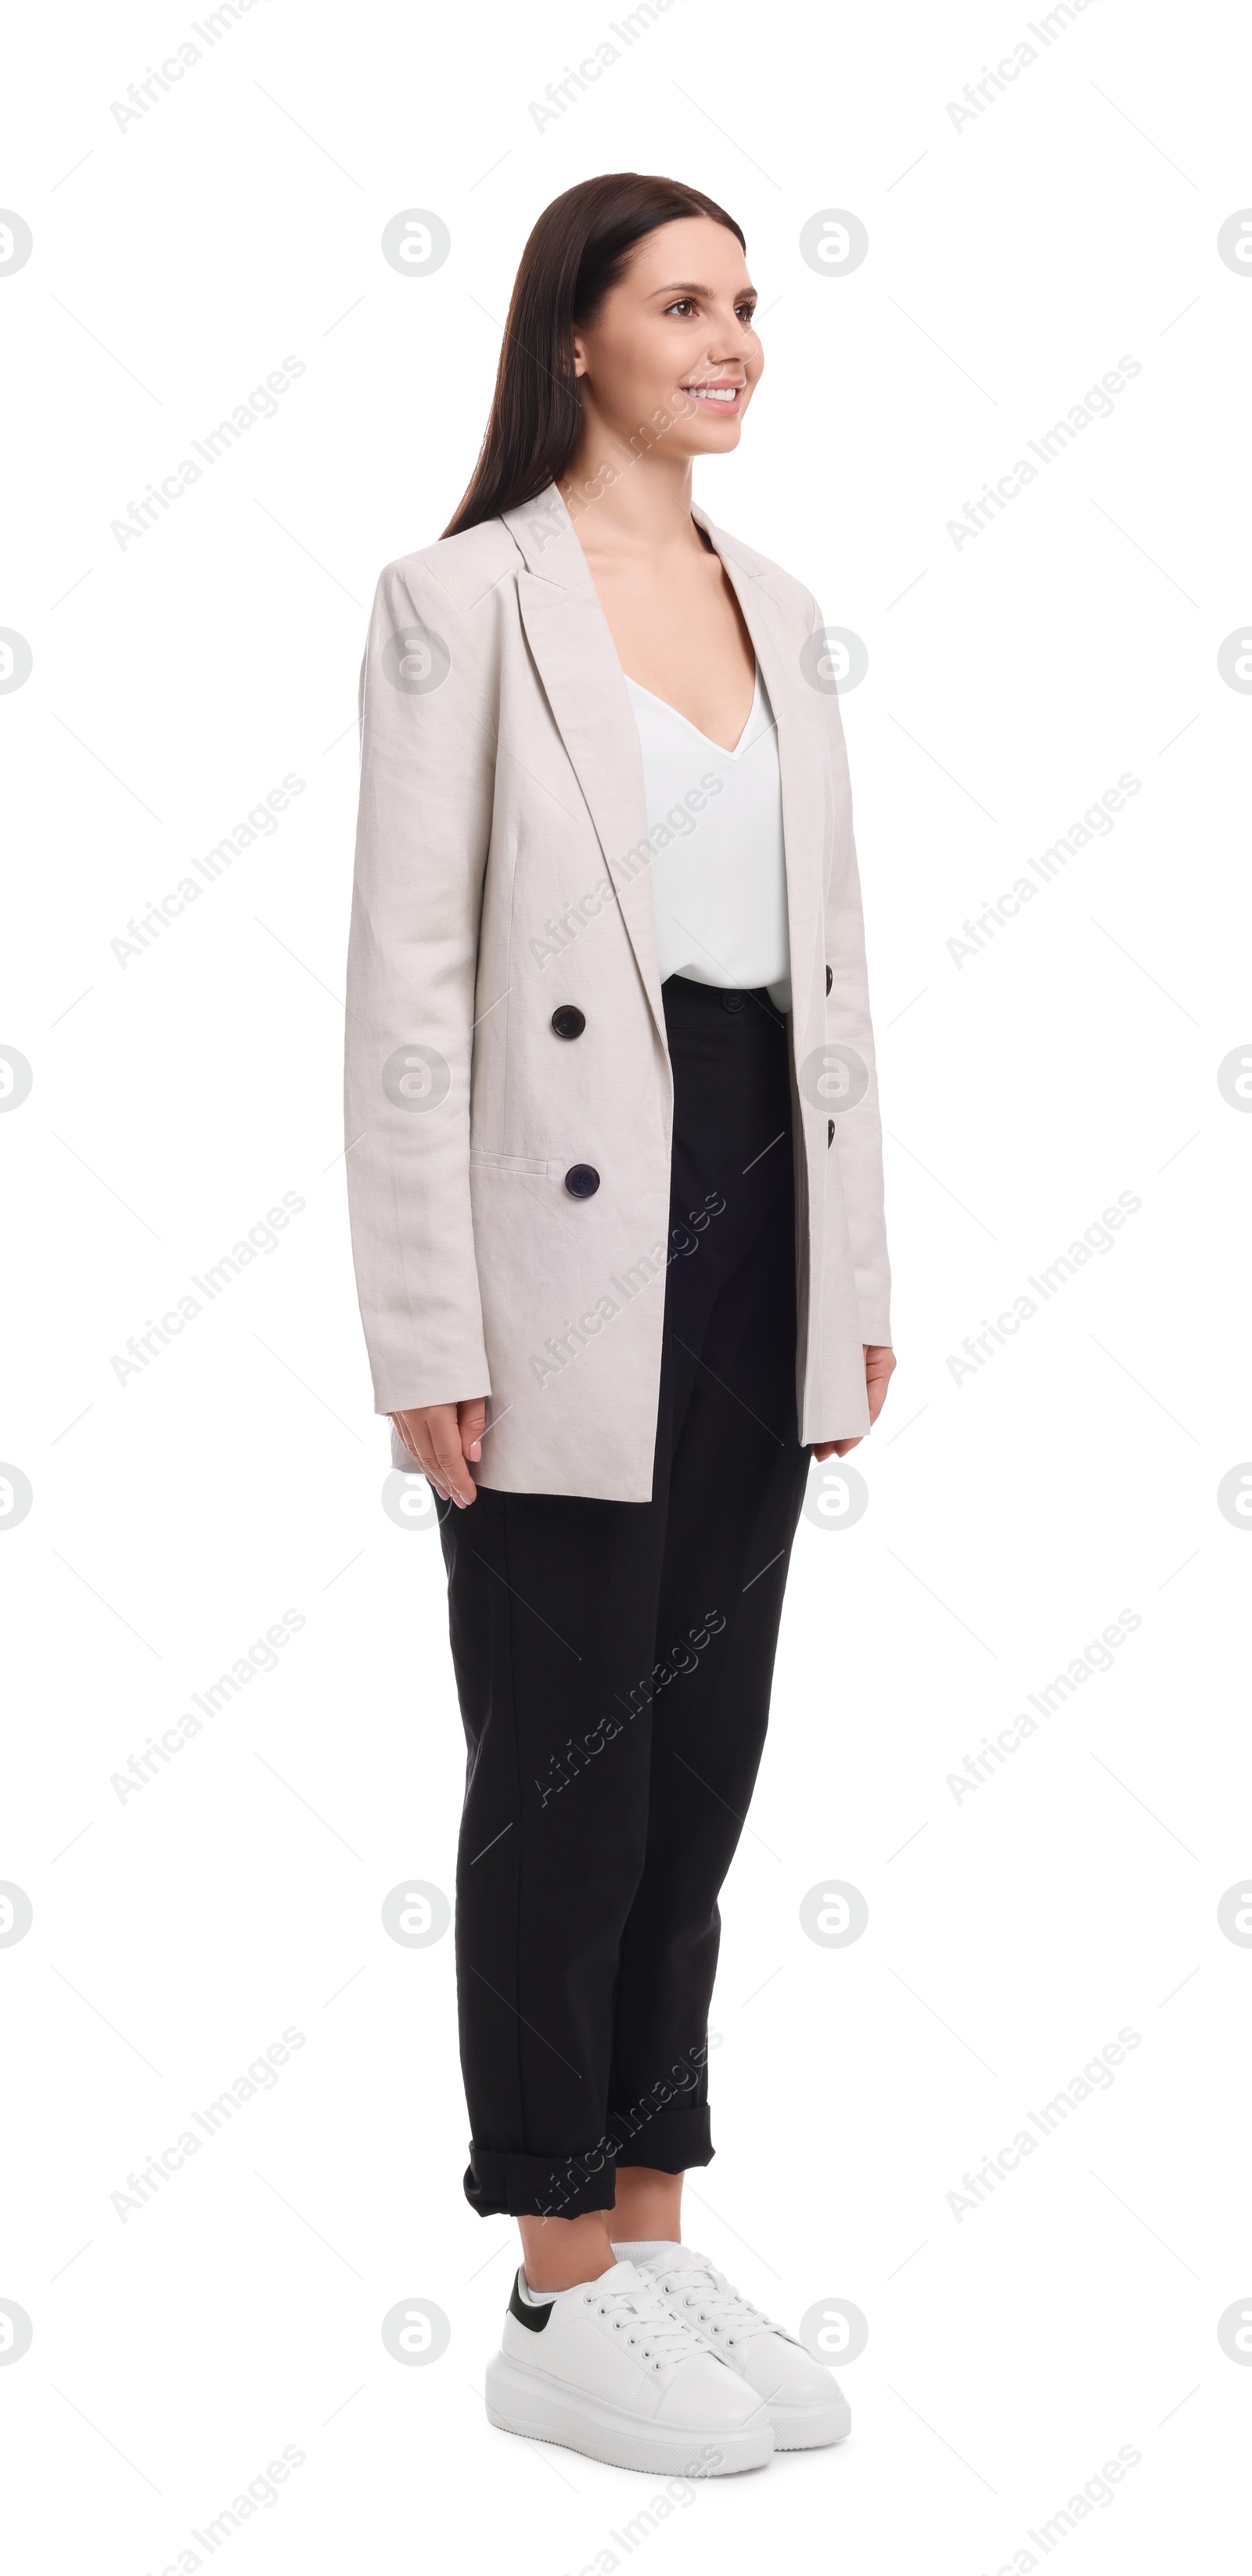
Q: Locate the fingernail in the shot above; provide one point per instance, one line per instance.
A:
(476, 1448)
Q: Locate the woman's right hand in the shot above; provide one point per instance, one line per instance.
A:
(439, 1438)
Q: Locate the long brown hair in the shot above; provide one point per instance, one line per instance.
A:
(577, 251)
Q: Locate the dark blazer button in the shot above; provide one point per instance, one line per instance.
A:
(733, 1001)
(568, 1021)
(582, 1180)
(829, 979)
(830, 1133)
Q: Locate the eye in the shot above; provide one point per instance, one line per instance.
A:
(746, 313)
(682, 304)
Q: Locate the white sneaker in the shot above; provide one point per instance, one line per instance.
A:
(806, 2406)
(607, 2368)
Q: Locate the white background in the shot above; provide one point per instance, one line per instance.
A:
(1012, 1514)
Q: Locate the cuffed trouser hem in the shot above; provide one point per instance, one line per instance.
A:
(517, 2186)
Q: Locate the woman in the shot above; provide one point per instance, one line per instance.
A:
(615, 1181)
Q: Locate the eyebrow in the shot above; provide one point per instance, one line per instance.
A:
(686, 286)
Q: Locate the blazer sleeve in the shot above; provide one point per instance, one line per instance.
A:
(427, 778)
(858, 1131)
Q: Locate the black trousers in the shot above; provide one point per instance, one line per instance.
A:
(614, 1663)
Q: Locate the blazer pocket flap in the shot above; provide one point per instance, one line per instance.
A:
(520, 1163)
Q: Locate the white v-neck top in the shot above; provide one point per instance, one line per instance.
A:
(715, 829)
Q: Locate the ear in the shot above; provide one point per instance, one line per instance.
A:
(580, 357)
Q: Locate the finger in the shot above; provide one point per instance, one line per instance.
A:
(471, 1420)
(451, 1466)
(402, 1425)
(422, 1448)
(433, 1427)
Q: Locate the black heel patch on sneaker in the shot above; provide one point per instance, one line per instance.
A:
(535, 2319)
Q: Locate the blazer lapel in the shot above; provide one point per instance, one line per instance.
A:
(576, 658)
(577, 662)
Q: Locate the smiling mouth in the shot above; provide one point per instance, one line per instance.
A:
(721, 397)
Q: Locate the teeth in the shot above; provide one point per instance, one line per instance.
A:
(713, 393)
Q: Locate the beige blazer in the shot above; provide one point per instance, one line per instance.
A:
(502, 877)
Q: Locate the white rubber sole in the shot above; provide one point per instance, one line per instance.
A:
(522, 2401)
(811, 2428)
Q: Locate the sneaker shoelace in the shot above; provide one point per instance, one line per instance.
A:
(716, 2305)
(647, 2322)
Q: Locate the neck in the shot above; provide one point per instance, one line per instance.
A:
(647, 509)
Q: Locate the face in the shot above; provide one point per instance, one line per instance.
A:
(676, 336)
